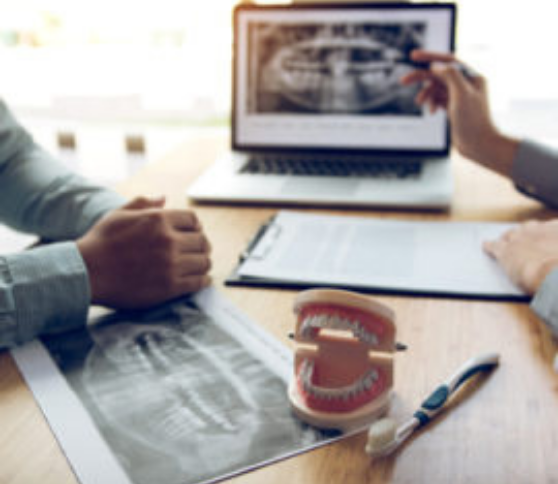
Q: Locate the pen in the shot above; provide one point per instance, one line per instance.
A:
(467, 72)
(254, 241)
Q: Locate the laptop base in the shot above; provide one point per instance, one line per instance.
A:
(224, 182)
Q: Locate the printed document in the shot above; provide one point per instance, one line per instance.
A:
(416, 257)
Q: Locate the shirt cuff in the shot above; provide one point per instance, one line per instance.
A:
(535, 172)
(44, 290)
(545, 302)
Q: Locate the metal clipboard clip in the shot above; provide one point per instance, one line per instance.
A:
(263, 241)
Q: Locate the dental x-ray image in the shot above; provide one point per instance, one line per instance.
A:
(344, 68)
(177, 399)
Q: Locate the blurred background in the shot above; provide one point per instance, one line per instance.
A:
(111, 85)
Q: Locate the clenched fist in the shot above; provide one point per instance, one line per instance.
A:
(142, 255)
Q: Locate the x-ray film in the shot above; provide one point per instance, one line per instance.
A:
(336, 68)
(185, 393)
(322, 77)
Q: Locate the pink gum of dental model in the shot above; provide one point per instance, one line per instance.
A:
(343, 370)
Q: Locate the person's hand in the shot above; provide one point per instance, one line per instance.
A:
(527, 253)
(464, 95)
(142, 255)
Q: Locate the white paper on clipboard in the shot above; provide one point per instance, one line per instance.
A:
(417, 257)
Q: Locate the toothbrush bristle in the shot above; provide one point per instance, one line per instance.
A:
(381, 436)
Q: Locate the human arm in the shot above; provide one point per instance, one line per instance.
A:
(466, 100)
(47, 288)
(545, 301)
(39, 195)
(529, 255)
(532, 167)
(50, 288)
(42, 290)
(134, 257)
(535, 172)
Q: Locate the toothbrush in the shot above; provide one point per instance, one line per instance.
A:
(384, 436)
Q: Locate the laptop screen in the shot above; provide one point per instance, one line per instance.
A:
(327, 77)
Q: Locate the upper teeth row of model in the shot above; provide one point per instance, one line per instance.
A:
(363, 384)
(327, 321)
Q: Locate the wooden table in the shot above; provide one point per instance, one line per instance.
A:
(506, 431)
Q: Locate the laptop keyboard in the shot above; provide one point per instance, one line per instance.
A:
(327, 165)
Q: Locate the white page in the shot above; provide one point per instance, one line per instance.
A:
(410, 256)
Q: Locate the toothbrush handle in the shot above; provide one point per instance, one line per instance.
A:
(438, 398)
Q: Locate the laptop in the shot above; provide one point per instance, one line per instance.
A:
(319, 116)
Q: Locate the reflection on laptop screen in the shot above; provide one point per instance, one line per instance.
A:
(328, 77)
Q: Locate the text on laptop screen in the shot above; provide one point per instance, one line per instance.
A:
(329, 77)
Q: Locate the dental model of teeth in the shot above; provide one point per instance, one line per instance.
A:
(343, 369)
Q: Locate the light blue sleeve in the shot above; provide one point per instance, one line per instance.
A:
(545, 302)
(45, 289)
(535, 172)
(42, 290)
(39, 195)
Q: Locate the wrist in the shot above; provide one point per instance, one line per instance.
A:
(88, 258)
(540, 273)
(497, 152)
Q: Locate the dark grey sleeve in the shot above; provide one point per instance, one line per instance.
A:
(545, 302)
(535, 172)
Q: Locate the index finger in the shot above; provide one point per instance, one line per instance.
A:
(496, 246)
(429, 56)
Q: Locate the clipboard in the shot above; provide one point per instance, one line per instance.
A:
(236, 279)
(268, 236)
